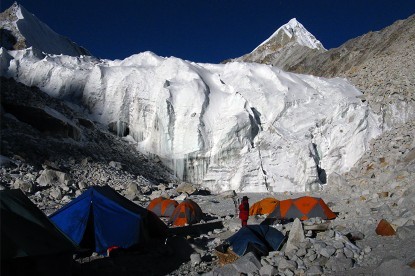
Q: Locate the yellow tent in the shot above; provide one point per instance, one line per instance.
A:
(263, 207)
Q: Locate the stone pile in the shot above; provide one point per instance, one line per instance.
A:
(327, 252)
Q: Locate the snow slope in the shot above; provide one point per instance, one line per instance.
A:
(26, 30)
(247, 127)
(294, 31)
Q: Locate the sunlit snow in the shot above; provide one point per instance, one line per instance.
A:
(295, 29)
(241, 126)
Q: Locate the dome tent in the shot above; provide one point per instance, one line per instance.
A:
(101, 218)
(259, 239)
(187, 212)
(162, 207)
(263, 207)
(303, 208)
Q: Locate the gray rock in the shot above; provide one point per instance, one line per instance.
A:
(306, 244)
(301, 252)
(296, 236)
(284, 264)
(185, 187)
(318, 245)
(406, 232)
(51, 177)
(132, 190)
(348, 253)
(367, 249)
(247, 264)
(155, 194)
(291, 255)
(82, 185)
(56, 193)
(288, 272)
(145, 190)
(339, 263)
(25, 186)
(265, 261)
(195, 259)
(268, 270)
(338, 245)
(320, 261)
(393, 266)
(327, 251)
(226, 270)
(115, 165)
(314, 270)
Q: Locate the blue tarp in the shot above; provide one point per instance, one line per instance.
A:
(110, 219)
(257, 238)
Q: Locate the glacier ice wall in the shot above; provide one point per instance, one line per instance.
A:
(241, 126)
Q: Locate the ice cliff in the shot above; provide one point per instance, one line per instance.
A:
(248, 127)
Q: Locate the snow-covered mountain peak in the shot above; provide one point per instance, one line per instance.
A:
(21, 29)
(291, 42)
(293, 23)
(21, 13)
(295, 32)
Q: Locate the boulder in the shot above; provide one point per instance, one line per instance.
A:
(181, 197)
(195, 259)
(185, 187)
(25, 186)
(284, 264)
(115, 165)
(296, 236)
(132, 190)
(268, 270)
(314, 270)
(327, 251)
(247, 264)
(56, 194)
(52, 177)
(228, 194)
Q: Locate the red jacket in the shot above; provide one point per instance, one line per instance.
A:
(244, 210)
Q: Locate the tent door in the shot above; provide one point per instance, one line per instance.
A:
(88, 240)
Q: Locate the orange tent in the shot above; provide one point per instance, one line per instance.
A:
(303, 208)
(187, 212)
(264, 206)
(162, 207)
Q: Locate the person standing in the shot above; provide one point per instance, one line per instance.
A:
(244, 211)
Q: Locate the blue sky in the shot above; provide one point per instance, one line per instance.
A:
(206, 30)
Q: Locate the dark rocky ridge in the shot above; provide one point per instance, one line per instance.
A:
(69, 136)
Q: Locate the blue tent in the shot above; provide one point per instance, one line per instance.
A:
(260, 239)
(101, 218)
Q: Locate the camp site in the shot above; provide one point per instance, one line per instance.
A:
(185, 228)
